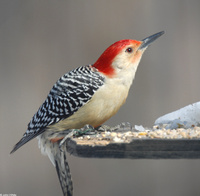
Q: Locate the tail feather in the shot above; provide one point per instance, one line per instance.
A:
(64, 175)
(57, 155)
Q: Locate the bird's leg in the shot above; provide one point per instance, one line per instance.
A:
(87, 129)
(70, 134)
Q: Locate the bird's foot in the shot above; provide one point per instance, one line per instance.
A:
(87, 129)
(70, 134)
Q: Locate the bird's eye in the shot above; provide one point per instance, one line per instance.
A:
(129, 50)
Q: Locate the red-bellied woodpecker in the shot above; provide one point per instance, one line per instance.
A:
(86, 95)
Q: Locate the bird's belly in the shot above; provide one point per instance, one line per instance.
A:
(103, 105)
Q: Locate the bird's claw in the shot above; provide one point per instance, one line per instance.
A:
(70, 134)
(87, 129)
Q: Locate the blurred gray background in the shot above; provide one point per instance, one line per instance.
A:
(41, 40)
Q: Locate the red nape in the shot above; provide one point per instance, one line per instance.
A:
(104, 62)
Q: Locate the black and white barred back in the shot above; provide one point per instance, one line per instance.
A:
(69, 93)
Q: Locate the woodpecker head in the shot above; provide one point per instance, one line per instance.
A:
(123, 56)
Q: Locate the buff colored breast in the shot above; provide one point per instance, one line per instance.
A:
(103, 105)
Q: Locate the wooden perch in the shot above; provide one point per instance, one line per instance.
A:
(131, 144)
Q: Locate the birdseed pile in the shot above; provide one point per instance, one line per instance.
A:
(125, 133)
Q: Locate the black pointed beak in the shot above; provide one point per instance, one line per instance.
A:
(147, 41)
